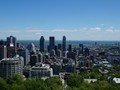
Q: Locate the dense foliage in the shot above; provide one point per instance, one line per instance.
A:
(16, 82)
(76, 82)
(73, 82)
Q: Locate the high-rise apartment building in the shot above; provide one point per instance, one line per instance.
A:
(9, 66)
(40, 71)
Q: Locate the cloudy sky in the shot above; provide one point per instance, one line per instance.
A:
(77, 19)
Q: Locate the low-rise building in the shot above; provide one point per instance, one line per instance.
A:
(41, 70)
(56, 68)
(90, 80)
(116, 80)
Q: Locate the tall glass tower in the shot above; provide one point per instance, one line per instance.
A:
(11, 46)
(42, 44)
(51, 43)
(64, 43)
(12, 42)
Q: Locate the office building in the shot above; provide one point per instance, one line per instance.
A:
(64, 54)
(71, 55)
(31, 47)
(25, 54)
(56, 68)
(114, 59)
(81, 48)
(11, 46)
(40, 57)
(85, 63)
(52, 53)
(70, 48)
(42, 44)
(3, 52)
(56, 49)
(51, 43)
(64, 43)
(70, 66)
(86, 51)
(33, 59)
(59, 54)
(12, 42)
(2, 42)
(60, 46)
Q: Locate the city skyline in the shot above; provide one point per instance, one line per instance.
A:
(76, 19)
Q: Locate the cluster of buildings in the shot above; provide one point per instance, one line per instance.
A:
(49, 60)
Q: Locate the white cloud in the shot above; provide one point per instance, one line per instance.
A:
(58, 30)
(85, 33)
(34, 30)
(14, 31)
(95, 29)
(64, 30)
(85, 28)
(109, 30)
(37, 33)
(116, 30)
(102, 24)
(10, 31)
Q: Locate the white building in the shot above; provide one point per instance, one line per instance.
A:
(90, 80)
(116, 80)
(41, 70)
(9, 66)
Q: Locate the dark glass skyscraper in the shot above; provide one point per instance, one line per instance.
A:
(12, 42)
(70, 48)
(11, 46)
(42, 44)
(60, 46)
(64, 43)
(51, 43)
(3, 52)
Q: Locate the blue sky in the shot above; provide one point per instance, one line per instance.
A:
(77, 19)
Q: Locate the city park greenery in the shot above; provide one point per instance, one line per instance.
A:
(73, 82)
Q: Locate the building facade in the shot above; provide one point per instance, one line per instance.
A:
(51, 43)
(3, 52)
(64, 43)
(41, 70)
(42, 44)
(9, 66)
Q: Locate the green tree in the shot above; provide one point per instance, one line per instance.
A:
(54, 83)
(3, 84)
(74, 80)
(15, 79)
(35, 84)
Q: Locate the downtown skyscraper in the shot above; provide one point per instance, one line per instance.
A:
(12, 42)
(64, 43)
(51, 43)
(42, 44)
(11, 46)
(3, 51)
